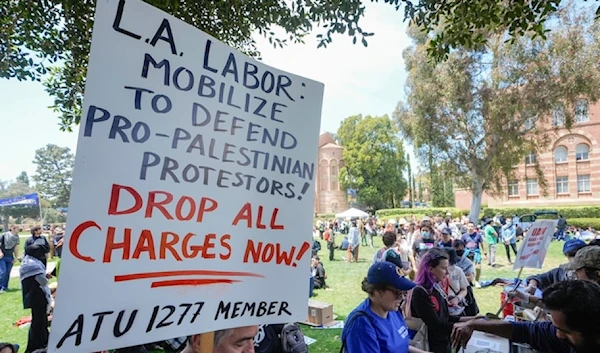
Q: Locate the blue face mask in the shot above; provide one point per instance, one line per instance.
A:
(425, 235)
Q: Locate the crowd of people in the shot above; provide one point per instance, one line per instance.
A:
(423, 302)
(419, 292)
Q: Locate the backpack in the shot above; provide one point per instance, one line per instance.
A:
(317, 245)
(292, 339)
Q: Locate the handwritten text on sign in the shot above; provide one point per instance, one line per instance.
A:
(193, 189)
(535, 245)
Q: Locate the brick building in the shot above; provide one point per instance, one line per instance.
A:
(571, 166)
(329, 197)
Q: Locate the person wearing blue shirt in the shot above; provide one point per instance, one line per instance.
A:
(509, 237)
(574, 310)
(376, 325)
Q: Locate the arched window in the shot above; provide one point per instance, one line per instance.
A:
(323, 175)
(560, 154)
(581, 111)
(334, 176)
(582, 152)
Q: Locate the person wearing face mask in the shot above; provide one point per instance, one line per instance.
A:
(424, 242)
(509, 237)
(464, 262)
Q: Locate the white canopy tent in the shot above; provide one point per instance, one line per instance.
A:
(352, 213)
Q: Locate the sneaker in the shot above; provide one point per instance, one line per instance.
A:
(2, 291)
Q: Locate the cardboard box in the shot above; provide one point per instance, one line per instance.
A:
(319, 313)
(484, 342)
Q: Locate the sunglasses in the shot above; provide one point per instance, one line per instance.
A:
(400, 294)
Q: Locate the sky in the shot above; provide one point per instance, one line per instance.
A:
(358, 80)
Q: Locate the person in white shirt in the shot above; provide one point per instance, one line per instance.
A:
(354, 242)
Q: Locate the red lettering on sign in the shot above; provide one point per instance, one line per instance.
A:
(184, 209)
(267, 252)
(245, 214)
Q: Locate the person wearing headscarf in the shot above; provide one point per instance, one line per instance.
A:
(39, 239)
(36, 295)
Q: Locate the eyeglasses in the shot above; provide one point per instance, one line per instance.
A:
(400, 294)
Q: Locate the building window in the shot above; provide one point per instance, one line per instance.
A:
(323, 175)
(513, 188)
(581, 111)
(562, 185)
(532, 187)
(583, 183)
(560, 154)
(558, 115)
(334, 177)
(582, 152)
(530, 158)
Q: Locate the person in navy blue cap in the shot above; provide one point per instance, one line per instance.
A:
(376, 325)
(561, 273)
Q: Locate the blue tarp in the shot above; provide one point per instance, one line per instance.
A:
(25, 200)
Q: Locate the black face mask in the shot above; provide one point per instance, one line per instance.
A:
(460, 253)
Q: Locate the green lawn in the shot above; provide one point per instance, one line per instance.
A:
(343, 278)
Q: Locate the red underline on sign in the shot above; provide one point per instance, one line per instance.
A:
(146, 275)
(191, 282)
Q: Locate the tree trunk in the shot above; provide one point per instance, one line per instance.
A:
(477, 192)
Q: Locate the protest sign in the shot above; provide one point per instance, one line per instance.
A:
(535, 245)
(192, 199)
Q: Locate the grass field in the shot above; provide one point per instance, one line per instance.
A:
(344, 293)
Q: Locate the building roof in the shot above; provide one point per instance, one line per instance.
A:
(332, 145)
(326, 138)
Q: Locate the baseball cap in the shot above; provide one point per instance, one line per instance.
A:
(586, 257)
(387, 273)
(447, 231)
(573, 245)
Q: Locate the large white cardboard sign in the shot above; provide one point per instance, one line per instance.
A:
(535, 245)
(192, 199)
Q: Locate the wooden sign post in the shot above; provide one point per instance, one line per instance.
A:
(206, 343)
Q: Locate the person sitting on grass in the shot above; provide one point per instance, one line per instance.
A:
(318, 272)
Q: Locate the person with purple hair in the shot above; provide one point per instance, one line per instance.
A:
(429, 302)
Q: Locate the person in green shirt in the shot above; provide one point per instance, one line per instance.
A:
(491, 237)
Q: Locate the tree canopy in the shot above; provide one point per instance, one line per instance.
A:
(374, 161)
(50, 40)
(53, 174)
(481, 111)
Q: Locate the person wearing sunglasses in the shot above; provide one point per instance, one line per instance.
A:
(377, 325)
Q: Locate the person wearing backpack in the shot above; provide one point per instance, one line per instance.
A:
(9, 252)
(376, 325)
